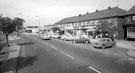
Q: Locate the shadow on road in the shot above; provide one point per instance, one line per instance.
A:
(10, 64)
(26, 43)
(3, 53)
(2, 45)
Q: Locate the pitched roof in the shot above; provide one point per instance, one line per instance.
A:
(110, 12)
(131, 11)
(69, 19)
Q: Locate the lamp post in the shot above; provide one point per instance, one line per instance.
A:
(38, 24)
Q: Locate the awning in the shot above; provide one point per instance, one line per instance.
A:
(91, 29)
(130, 24)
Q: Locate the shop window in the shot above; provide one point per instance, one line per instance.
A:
(131, 32)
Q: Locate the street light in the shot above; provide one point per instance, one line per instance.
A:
(38, 23)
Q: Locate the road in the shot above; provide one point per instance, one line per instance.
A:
(57, 56)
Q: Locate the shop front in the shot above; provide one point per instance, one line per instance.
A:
(130, 30)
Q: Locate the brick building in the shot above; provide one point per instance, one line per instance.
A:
(90, 21)
(130, 24)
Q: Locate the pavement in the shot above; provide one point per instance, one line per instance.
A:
(9, 57)
(130, 45)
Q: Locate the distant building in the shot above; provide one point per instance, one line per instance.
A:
(32, 29)
(48, 27)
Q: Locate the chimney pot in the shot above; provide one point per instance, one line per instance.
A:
(109, 7)
(97, 10)
(80, 15)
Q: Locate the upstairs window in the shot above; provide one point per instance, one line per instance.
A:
(129, 19)
(133, 18)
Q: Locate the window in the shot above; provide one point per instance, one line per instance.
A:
(133, 18)
(82, 23)
(71, 24)
(129, 18)
(96, 22)
(77, 23)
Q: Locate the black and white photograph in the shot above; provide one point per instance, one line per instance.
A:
(67, 36)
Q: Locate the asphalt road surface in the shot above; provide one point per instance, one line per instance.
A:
(57, 56)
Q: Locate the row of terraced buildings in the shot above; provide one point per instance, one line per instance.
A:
(122, 19)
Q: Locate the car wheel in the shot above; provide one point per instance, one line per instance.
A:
(64, 39)
(86, 41)
(103, 46)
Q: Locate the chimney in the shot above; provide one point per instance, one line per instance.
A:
(117, 6)
(80, 15)
(109, 7)
(87, 12)
(97, 10)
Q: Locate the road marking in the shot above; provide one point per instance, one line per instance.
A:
(69, 55)
(52, 46)
(94, 69)
(60, 51)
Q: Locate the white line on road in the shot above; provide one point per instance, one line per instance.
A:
(69, 55)
(60, 51)
(54, 47)
(94, 69)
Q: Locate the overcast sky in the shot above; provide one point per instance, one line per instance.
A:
(51, 11)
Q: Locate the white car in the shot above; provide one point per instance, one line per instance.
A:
(45, 36)
(105, 42)
(56, 36)
(66, 37)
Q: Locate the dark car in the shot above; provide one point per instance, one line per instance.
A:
(81, 39)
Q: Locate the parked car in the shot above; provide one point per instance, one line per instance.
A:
(105, 42)
(56, 36)
(45, 36)
(81, 39)
(63, 37)
(67, 37)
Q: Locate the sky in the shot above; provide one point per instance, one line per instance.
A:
(48, 12)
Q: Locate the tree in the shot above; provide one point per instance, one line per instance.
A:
(7, 26)
(107, 28)
(55, 29)
(19, 23)
(0, 23)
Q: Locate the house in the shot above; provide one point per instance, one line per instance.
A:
(130, 24)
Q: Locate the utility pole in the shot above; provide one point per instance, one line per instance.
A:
(38, 24)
